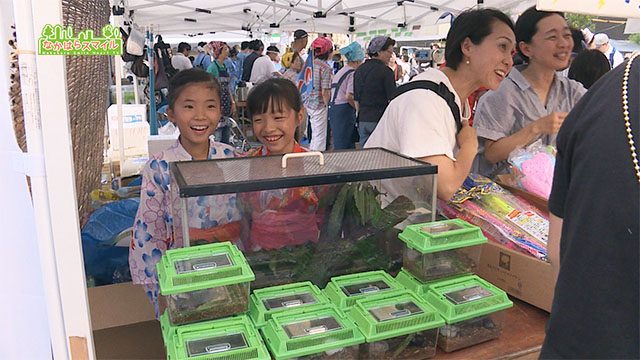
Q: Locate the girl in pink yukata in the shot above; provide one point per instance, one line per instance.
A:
(194, 106)
(279, 217)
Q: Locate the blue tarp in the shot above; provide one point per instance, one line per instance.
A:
(105, 262)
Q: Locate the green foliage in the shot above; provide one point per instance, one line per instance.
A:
(635, 38)
(580, 21)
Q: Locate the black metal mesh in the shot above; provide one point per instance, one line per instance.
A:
(260, 173)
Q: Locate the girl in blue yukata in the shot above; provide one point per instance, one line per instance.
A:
(194, 106)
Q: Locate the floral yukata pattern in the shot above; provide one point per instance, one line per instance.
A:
(153, 230)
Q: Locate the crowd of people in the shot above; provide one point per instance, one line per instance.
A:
(514, 75)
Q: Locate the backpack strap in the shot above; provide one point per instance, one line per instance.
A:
(441, 89)
(338, 84)
(201, 61)
(613, 52)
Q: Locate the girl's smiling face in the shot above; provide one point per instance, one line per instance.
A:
(196, 112)
(276, 128)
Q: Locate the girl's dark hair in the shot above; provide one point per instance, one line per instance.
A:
(475, 25)
(188, 77)
(274, 92)
(527, 25)
(588, 67)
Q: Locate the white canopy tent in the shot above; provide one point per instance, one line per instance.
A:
(259, 17)
(49, 161)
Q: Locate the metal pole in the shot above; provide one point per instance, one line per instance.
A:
(185, 223)
(136, 95)
(153, 124)
(33, 128)
(118, 76)
(60, 179)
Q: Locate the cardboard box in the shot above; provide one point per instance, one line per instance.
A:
(118, 305)
(520, 275)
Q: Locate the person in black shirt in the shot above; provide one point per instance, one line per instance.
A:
(258, 47)
(594, 225)
(373, 85)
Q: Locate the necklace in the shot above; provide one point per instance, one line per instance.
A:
(625, 112)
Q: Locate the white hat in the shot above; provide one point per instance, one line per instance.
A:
(600, 39)
(587, 35)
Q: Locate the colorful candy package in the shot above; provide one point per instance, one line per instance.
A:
(503, 217)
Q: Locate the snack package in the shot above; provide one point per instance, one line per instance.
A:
(503, 217)
(533, 168)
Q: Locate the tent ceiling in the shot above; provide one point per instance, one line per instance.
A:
(177, 17)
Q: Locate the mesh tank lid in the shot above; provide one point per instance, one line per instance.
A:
(310, 331)
(394, 315)
(202, 267)
(233, 337)
(268, 301)
(466, 297)
(344, 290)
(224, 176)
(442, 235)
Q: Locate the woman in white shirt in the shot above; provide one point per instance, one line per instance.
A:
(421, 124)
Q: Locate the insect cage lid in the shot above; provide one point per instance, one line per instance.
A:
(267, 301)
(235, 175)
(344, 290)
(442, 235)
(466, 297)
(233, 337)
(202, 267)
(308, 331)
(393, 315)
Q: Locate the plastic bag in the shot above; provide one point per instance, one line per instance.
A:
(106, 260)
(503, 217)
(533, 168)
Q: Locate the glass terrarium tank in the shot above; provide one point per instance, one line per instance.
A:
(318, 333)
(397, 326)
(305, 218)
(472, 309)
(441, 249)
(265, 302)
(344, 290)
(230, 338)
(204, 282)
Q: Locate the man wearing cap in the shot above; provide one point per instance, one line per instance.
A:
(373, 85)
(318, 98)
(300, 40)
(342, 108)
(602, 43)
(263, 67)
(257, 48)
